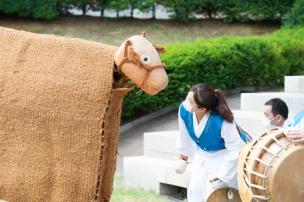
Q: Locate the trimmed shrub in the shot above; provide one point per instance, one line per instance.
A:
(38, 9)
(296, 15)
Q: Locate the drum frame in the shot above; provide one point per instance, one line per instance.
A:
(248, 173)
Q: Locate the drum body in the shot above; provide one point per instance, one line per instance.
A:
(224, 194)
(270, 168)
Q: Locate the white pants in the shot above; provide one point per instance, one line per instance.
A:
(201, 173)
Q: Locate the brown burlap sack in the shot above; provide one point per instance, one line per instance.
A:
(111, 139)
(55, 93)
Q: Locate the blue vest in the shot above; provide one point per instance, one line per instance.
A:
(297, 119)
(210, 140)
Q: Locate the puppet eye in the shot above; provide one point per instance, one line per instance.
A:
(145, 59)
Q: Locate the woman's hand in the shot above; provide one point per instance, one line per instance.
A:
(183, 157)
(296, 136)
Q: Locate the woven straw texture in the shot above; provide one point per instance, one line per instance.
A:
(54, 93)
(111, 139)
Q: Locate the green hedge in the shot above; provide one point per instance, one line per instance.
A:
(37, 9)
(226, 62)
(296, 16)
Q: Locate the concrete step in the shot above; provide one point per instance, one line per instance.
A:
(251, 121)
(255, 101)
(152, 173)
(161, 144)
(294, 84)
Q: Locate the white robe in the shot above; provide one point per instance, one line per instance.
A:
(221, 164)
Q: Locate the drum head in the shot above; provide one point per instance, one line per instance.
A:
(224, 194)
(287, 182)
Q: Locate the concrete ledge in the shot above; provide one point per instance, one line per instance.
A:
(255, 101)
(149, 173)
(161, 144)
(252, 121)
(294, 84)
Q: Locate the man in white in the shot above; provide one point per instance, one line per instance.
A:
(276, 113)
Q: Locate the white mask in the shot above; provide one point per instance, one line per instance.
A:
(187, 105)
(267, 123)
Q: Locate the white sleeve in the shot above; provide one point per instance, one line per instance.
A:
(233, 144)
(184, 144)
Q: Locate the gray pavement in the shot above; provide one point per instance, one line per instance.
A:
(131, 142)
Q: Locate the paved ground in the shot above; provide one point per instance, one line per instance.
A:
(131, 142)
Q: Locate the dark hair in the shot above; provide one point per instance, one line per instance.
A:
(279, 107)
(211, 99)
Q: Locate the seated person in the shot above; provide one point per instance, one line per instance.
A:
(276, 113)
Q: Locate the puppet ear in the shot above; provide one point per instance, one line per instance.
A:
(128, 42)
(143, 34)
(160, 49)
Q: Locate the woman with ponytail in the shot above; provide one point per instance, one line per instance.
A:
(209, 136)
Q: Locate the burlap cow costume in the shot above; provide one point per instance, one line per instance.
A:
(60, 112)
